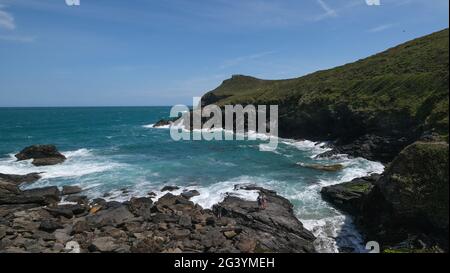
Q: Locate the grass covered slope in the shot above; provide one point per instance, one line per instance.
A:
(398, 94)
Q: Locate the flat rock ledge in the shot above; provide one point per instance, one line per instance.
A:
(34, 222)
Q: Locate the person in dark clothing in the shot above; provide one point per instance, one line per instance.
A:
(262, 201)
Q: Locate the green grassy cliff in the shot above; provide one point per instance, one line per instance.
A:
(397, 95)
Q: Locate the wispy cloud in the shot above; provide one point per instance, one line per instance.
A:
(17, 38)
(6, 19)
(243, 59)
(328, 11)
(381, 28)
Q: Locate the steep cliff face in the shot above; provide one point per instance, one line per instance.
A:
(408, 203)
(386, 101)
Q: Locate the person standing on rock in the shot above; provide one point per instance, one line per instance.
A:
(262, 201)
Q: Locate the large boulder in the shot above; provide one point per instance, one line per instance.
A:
(42, 155)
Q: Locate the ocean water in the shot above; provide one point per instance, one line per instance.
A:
(114, 148)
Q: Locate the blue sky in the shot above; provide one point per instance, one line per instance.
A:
(164, 52)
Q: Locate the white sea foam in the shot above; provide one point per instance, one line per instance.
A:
(209, 195)
(216, 193)
(315, 148)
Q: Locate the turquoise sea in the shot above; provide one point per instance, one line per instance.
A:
(111, 149)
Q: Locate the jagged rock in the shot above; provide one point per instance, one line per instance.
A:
(67, 190)
(276, 229)
(42, 155)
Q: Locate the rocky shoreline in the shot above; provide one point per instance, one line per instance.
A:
(36, 221)
(406, 208)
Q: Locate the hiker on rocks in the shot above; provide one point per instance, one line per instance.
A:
(262, 201)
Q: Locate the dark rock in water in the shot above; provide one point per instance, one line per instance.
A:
(151, 194)
(67, 190)
(190, 194)
(42, 155)
(50, 225)
(275, 229)
(170, 188)
(164, 122)
(350, 196)
(327, 168)
(19, 179)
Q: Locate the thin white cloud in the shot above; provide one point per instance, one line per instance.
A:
(17, 38)
(381, 28)
(6, 20)
(328, 11)
(242, 59)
